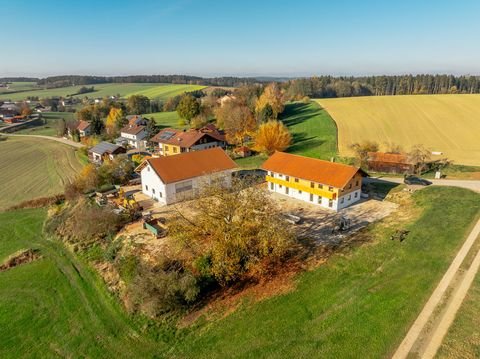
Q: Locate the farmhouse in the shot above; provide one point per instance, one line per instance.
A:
(136, 120)
(103, 150)
(170, 179)
(389, 162)
(132, 135)
(172, 142)
(328, 184)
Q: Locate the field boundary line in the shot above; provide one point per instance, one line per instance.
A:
(406, 345)
(58, 139)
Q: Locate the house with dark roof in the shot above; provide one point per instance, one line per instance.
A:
(132, 136)
(104, 150)
(170, 179)
(173, 142)
(327, 184)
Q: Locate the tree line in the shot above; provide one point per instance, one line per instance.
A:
(329, 86)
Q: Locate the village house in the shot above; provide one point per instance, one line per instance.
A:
(136, 120)
(84, 128)
(328, 184)
(133, 136)
(173, 142)
(171, 179)
(104, 150)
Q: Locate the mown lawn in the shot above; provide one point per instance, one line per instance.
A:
(357, 305)
(313, 133)
(55, 306)
(165, 119)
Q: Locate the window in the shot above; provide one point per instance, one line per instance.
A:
(319, 200)
(330, 203)
(183, 186)
(356, 194)
(342, 200)
(174, 150)
(280, 186)
(271, 186)
(166, 148)
(153, 190)
(312, 185)
(330, 188)
(296, 180)
(311, 197)
(280, 175)
(287, 178)
(271, 174)
(161, 194)
(349, 186)
(287, 190)
(148, 168)
(320, 186)
(356, 183)
(299, 192)
(349, 197)
(146, 187)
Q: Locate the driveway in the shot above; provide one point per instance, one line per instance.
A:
(468, 184)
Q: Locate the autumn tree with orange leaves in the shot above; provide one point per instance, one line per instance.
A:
(272, 136)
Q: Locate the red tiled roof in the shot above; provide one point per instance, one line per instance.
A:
(311, 169)
(191, 164)
(83, 125)
(181, 138)
(132, 130)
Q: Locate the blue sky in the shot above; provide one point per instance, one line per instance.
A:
(247, 38)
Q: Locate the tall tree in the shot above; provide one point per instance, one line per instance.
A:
(113, 119)
(138, 104)
(188, 108)
(272, 136)
(272, 96)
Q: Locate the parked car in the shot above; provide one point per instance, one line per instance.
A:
(416, 180)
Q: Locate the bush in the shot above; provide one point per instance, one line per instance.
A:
(164, 288)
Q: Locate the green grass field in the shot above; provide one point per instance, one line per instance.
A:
(357, 305)
(32, 168)
(19, 86)
(313, 132)
(165, 119)
(154, 91)
(50, 126)
(445, 123)
(55, 306)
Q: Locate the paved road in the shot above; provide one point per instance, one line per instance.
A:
(469, 184)
(58, 139)
(429, 310)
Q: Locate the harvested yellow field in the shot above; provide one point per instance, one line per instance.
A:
(444, 123)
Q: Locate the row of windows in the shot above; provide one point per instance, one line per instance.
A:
(154, 192)
(319, 200)
(312, 184)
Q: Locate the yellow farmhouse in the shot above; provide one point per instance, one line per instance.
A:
(328, 184)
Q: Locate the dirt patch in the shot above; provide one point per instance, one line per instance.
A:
(19, 258)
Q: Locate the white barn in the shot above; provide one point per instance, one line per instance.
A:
(171, 179)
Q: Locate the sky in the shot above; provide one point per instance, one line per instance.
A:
(239, 38)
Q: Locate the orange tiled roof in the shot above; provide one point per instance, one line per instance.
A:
(311, 169)
(388, 157)
(132, 129)
(191, 164)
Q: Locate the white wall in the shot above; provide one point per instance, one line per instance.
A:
(337, 204)
(166, 194)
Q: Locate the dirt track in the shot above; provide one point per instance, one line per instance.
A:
(419, 340)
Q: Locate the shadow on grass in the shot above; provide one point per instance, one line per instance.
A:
(302, 142)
